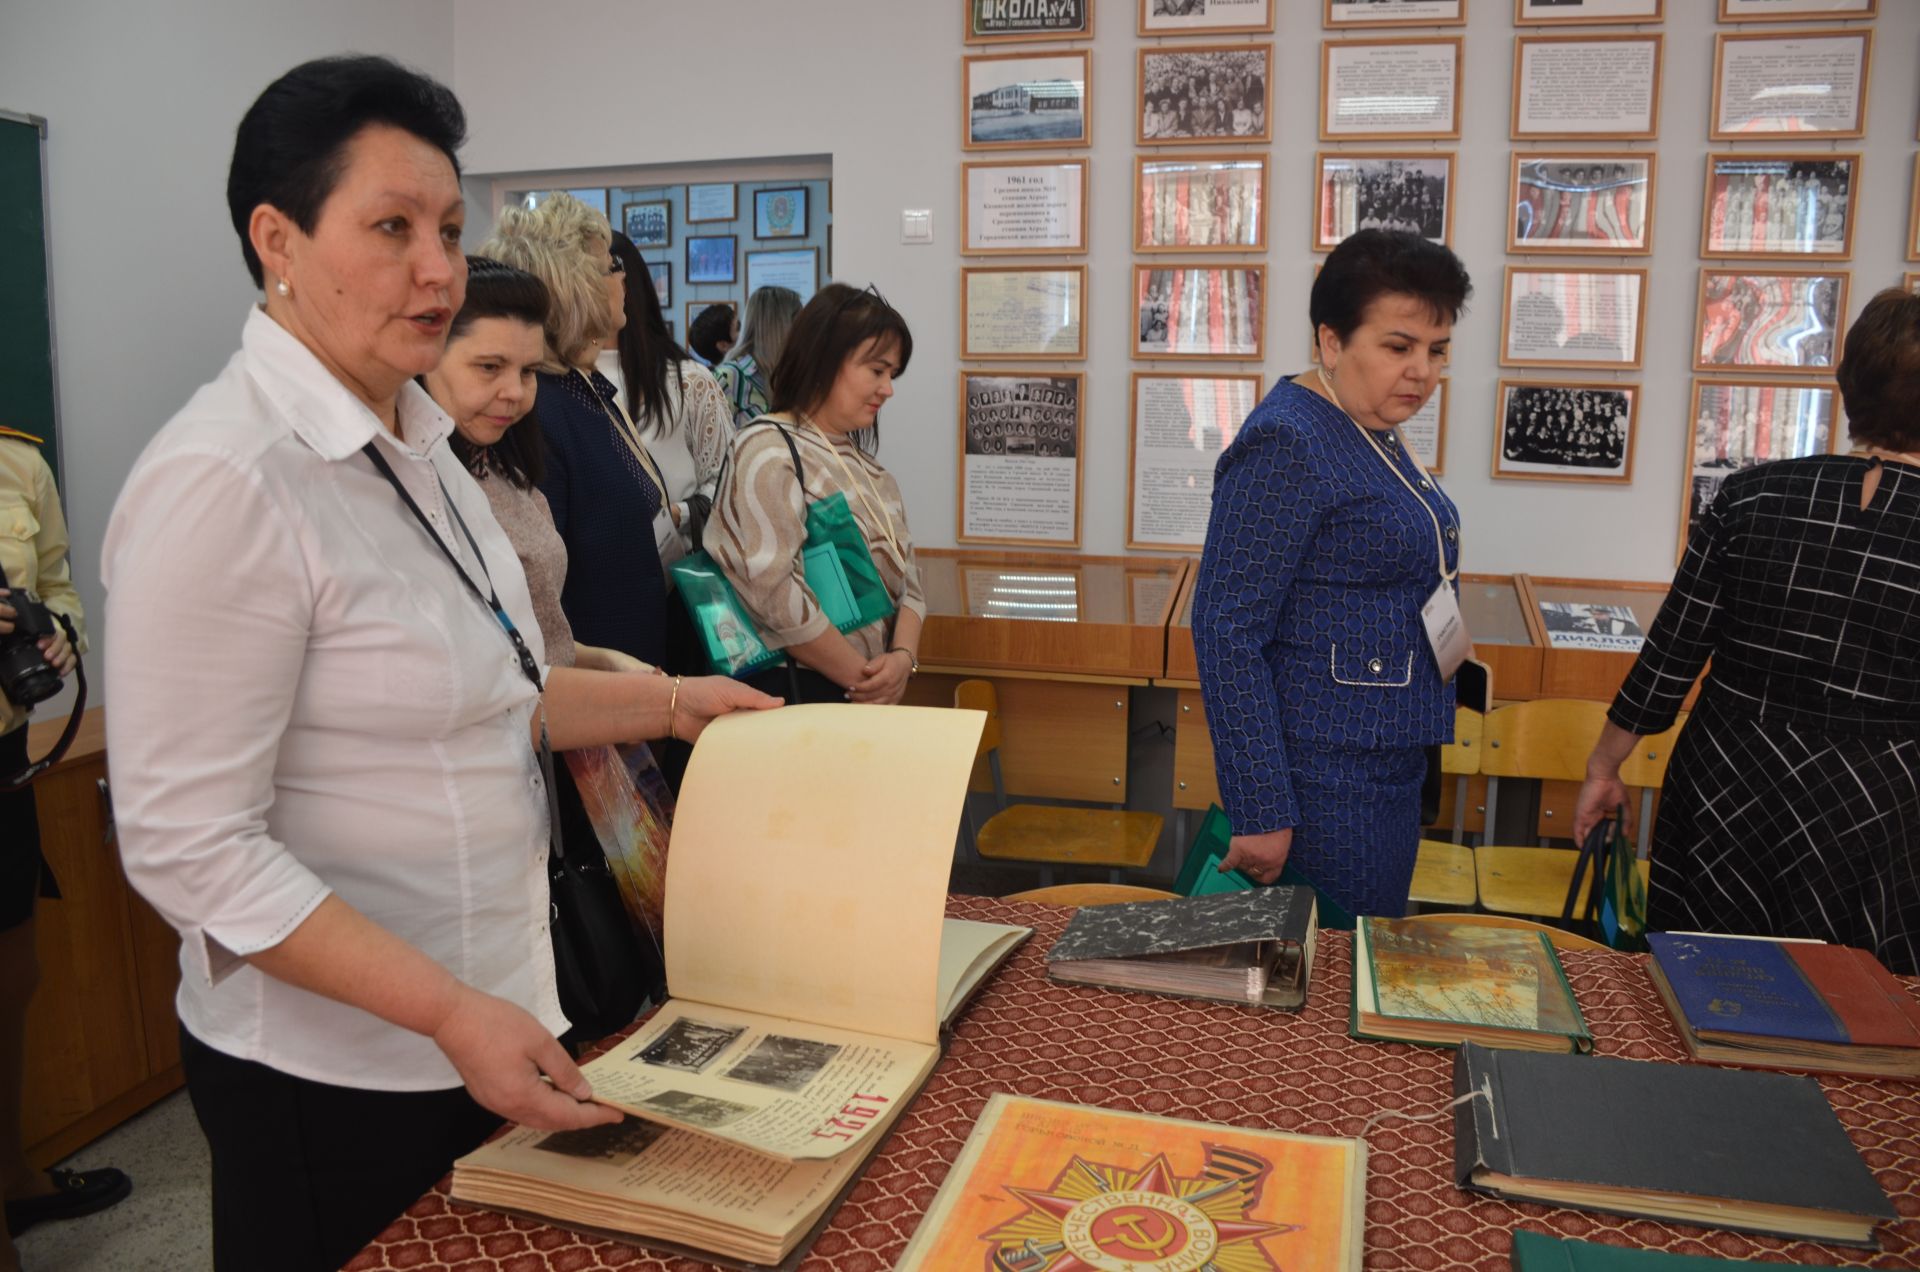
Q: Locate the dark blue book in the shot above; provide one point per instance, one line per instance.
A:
(1752, 987)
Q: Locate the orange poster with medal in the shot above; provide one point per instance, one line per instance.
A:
(1047, 1187)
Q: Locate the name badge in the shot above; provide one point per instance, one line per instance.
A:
(1446, 630)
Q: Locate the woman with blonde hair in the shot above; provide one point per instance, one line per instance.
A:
(743, 376)
(602, 484)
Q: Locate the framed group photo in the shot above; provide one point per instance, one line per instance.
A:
(1737, 424)
(1023, 100)
(1393, 13)
(1200, 311)
(994, 22)
(711, 258)
(1573, 317)
(1181, 423)
(1205, 93)
(1205, 17)
(648, 224)
(1795, 10)
(780, 213)
(1390, 90)
(715, 201)
(1020, 446)
(795, 268)
(1569, 87)
(1023, 312)
(1566, 431)
(1200, 203)
(1586, 12)
(1407, 190)
(1786, 320)
(1592, 202)
(1012, 207)
(1802, 84)
(1779, 206)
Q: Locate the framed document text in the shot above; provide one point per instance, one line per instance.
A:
(1023, 312)
(999, 22)
(1394, 13)
(795, 268)
(1593, 202)
(1779, 206)
(1181, 423)
(1202, 203)
(1012, 207)
(1795, 10)
(1390, 89)
(1425, 431)
(1585, 12)
(1025, 100)
(1567, 87)
(1409, 190)
(1787, 320)
(1205, 17)
(713, 202)
(1020, 440)
(1573, 317)
(1200, 311)
(1566, 431)
(1808, 84)
(1735, 425)
(1204, 93)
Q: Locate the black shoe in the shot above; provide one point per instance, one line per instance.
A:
(76, 1193)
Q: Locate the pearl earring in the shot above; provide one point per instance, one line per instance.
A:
(282, 288)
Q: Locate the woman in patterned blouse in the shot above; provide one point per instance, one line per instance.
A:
(1792, 803)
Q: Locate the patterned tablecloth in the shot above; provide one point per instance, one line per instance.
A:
(1248, 1067)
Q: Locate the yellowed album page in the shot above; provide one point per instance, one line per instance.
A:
(807, 876)
(787, 1087)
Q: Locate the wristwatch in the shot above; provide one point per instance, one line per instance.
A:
(913, 664)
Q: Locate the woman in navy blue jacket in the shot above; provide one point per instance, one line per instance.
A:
(1326, 541)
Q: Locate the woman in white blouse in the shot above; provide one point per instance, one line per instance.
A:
(323, 728)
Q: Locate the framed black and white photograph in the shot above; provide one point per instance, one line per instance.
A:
(711, 258)
(780, 213)
(997, 22)
(1573, 317)
(1779, 206)
(1586, 12)
(714, 201)
(795, 268)
(1023, 313)
(1020, 449)
(1393, 13)
(1795, 10)
(1784, 320)
(1571, 87)
(1181, 423)
(1200, 311)
(1737, 424)
(662, 274)
(648, 224)
(1402, 90)
(1591, 202)
(1566, 431)
(1205, 17)
(1197, 94)
(1804, 85)
(1410, 190)
(1024, 100)
(1200, 203)
(1014, 207)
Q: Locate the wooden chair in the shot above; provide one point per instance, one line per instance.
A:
(1547, 740)
(1561, 938)
(1047, 836)
(1645, 770)
(1460, 808)
(1089, 894)
(1443, 872)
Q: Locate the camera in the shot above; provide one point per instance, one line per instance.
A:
(25, 675)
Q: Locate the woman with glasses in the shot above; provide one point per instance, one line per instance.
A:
(837, 370)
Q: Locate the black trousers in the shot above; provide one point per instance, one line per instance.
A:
(305, 1173)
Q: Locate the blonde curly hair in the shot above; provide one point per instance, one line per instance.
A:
(564, 243)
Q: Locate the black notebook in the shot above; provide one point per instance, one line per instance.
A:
(1252, 947)
(1723, 1148)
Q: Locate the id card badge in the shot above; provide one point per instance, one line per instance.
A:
(1446, 630)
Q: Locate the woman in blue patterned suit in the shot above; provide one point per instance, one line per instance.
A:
(1326, 540)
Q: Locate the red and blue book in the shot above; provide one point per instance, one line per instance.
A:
(1787, 1005)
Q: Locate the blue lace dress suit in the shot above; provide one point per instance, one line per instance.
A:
(1321, 690)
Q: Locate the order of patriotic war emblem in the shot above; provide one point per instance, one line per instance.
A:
(1101, 1217)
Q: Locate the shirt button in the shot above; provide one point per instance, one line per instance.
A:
(1375, 666)
(1453, 534)
(1425, 484)
(1393, 439)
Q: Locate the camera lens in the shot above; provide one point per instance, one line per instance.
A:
(25, 676)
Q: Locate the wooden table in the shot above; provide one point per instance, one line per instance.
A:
(1243, 1066)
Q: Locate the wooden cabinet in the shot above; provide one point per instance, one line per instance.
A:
(102, 1039)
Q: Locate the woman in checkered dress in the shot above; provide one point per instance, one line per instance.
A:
(1792, 805)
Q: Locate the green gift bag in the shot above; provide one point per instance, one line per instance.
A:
(836, 561)
(728, 636)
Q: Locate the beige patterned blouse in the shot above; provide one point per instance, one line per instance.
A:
(524, 515)
(759, 527)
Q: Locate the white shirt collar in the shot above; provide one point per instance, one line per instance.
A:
(320, 410)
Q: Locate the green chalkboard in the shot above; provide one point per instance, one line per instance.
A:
(26, 312)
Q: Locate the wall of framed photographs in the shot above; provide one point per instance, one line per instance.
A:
(1087, 195)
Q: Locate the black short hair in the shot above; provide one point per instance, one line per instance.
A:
(1879, 372)
(289, 146)
(497, 290)
(827, 331)
(709, 327)
(1373, 263)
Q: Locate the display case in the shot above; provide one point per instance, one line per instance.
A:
(1589, 631)
(1496, 615)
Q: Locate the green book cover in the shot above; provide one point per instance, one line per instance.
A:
(1200, 874)
(1537, 1252)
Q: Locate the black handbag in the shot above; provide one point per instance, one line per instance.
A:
(597, 957)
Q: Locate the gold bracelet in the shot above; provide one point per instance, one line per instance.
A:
(673, 704)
